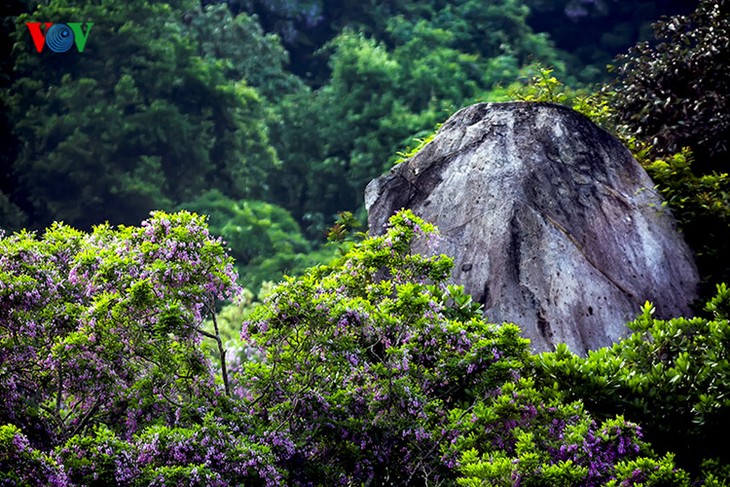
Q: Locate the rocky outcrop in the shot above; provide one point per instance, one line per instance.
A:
(552, 223)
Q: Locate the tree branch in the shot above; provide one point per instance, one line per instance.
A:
(86, 418)
(221, 350)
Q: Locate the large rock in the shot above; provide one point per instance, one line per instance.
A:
(552, 223)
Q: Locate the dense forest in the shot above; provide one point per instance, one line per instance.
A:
(156, 184)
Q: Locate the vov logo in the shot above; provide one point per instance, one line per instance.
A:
(59, 37)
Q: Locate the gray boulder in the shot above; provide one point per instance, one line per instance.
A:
(551, 222)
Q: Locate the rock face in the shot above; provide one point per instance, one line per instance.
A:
(551, 222)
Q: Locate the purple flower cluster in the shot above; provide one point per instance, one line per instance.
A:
(362, 363)
(600, 448)
(373, 371)
(203, 455)
(542, 439)
(102, 328)
(21, 464)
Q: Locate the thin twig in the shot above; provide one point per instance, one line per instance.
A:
(86, 419)
(221, 350)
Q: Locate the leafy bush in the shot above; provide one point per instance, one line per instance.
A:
(104, 328)
(528, 436)
(360, 360)
(373, 370)
(100, 458)
(673, 93)
(200, 455)
(379, 372)
(669, 376)
(22, 465)
(701, 205)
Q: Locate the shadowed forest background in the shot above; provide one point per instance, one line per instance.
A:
(270, 117)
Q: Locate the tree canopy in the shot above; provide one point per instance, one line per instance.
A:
(294, 103)
(138, 121)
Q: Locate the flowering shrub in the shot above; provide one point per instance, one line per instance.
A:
(526, 436)
(99, 458)
(104, 328)
(671, 376)
(24, 466)
(358, 363)
(371, 371)
(380, 373)
(201, 455)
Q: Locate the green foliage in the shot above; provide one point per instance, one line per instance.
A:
(421, 143)
(358, 367)
(95, 459)
(204, 455)
(719, 306)
(673, 93)
(380, 372)
(498, 30)
(138, 121)
(253, 229)
(528, 436)
(371, 370)
(21, 465)
(104, 328)
(344, 229)
(701, 205)
(651, 472)
(326, 165)
(597, 107)
(264, 239)
(425, 51)
(669, 376)
(543, 86)
(243, 49)
(383, 89)
(715, 473)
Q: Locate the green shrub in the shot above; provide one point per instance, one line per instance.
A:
(672, 93)
(22, 465)
(379, 372)
(669, 376)
(701, 205)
